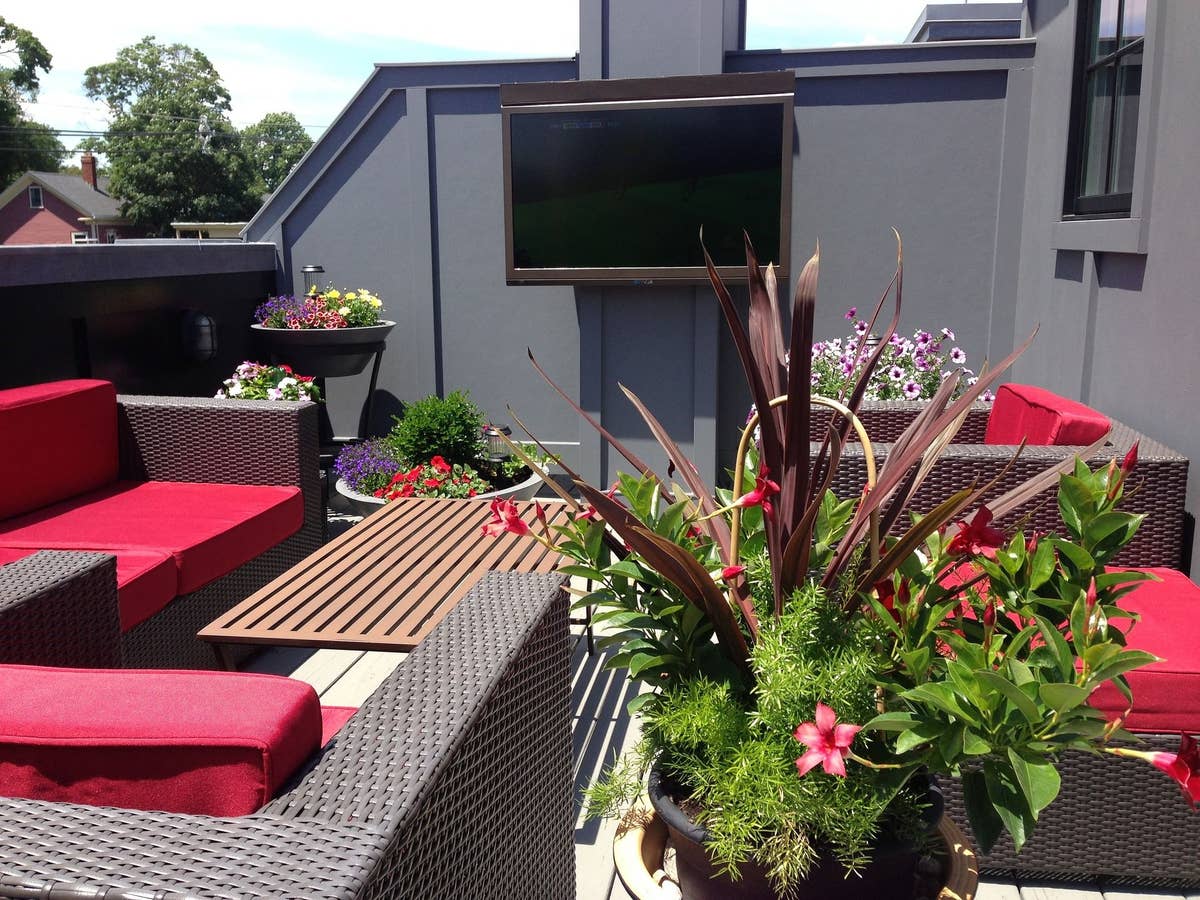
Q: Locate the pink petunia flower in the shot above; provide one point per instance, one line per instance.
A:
(828, 743)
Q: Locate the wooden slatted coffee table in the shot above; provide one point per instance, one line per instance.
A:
(385, 583)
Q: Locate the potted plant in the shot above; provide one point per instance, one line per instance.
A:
(326, 332)
(805, 676)
(435, 449)
(258, 381)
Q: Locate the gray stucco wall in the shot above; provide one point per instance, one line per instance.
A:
(404, 196)
(1116, 299)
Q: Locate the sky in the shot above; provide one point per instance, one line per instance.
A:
(310, 59)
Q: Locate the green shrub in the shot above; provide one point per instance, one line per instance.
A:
(450, 428)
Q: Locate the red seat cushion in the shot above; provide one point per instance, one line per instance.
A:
(1166, 695)
(210, 529)
(146, 580)
(332, 720)
(211, 743)
(1042, 418)
(59, 440)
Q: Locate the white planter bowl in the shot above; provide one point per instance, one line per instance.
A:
(365, 504)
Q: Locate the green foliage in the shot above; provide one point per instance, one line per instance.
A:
(275, 143)
(32, 145)
(160, 97)
(450, 428)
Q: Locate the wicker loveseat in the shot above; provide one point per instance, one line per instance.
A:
(453, 779)
(1115, 821)
(166, 452)
(1161, 476)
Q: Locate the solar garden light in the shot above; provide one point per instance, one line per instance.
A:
(496, 448)
(310, 276)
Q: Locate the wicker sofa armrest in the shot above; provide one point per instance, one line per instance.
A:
(62, 851)
(464, 753)
(224, 441)
(59, 608)
(1159, 487)
(885, 420)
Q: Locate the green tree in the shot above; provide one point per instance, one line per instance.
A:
(275, 144)
(24, 144)
(172, 153)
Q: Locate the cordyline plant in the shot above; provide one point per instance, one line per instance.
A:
(760, 619)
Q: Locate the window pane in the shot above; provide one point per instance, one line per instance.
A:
(1095, 135)
(1133, 21)
(1129, 87)
(1103, 35)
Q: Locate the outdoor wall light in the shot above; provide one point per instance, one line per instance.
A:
(310, 276)
(199, 335)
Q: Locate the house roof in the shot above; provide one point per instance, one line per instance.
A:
(72, 189)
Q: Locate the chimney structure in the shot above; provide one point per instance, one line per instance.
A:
(87, 166)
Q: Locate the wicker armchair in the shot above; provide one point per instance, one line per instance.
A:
(1115, 821)
(453, 779)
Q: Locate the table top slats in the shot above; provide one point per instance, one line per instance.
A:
(385, 583)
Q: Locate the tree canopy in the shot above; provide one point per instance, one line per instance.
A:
(24, 144)
(172, 152)
(275, 144)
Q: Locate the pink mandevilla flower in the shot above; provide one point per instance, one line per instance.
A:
(764, 489)
(976, 536)
(828, 743)
(505, 517)
(1183, 766)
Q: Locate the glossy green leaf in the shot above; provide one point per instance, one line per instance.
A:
(1060, 696)
(1039, 780)
(1012, 693)
(985, 822)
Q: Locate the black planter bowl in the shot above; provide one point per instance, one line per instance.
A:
(323, 352)
(892, 873)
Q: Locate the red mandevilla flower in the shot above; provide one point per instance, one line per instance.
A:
(828, 743)
(731, 572)
(764, 489)
(976, 536)
(1183, 766)
(505, 517)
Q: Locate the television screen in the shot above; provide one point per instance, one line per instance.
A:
(619, 190)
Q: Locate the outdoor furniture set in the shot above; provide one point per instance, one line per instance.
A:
(456, 772)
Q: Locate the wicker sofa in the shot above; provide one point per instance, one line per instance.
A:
(1161, 476)
(1115, 821)
(192, 440)
(453, 778)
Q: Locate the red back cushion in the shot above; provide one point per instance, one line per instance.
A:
(1041, 418)
(58, 440)
(211, 743)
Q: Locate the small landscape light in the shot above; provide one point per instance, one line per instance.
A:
(310, 276)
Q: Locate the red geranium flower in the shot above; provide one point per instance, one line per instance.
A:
(439, 464)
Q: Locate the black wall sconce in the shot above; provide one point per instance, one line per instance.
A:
(199, 335)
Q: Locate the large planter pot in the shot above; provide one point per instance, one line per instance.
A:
(896, 870)
(365, 504)
(323, 352)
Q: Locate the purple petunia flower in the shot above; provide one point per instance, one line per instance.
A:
(912, 390)
(852, 312)
(896, 373)
(947, 333)
(860, 327)
(957, 356)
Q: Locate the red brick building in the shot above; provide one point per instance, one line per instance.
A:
(52, 208)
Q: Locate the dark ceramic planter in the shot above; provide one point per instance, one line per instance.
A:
(891, 875)
(323, 352)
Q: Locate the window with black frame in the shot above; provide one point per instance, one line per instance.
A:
(1108, 85)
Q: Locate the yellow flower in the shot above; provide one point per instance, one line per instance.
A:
(333, 294)
(344, 311)
(376, 302)
(351, 295)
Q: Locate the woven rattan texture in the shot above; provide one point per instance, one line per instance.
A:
(1160, 486)
(477, 791)
(168, 639)
(60, 609)
(1115, 821)
(453, 779)
(885, 420)
(113, 853)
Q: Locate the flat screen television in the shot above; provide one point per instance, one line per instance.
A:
(612, 181)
